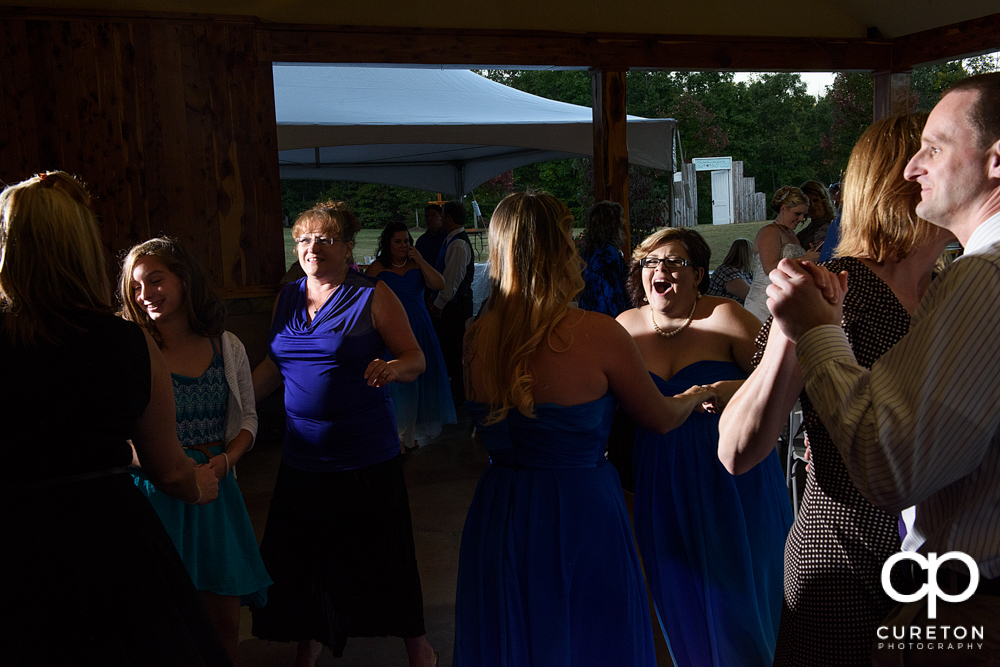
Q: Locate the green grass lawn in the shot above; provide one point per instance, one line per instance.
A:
(365, 244)
(718, 237)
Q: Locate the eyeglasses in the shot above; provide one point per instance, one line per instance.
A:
(668, 262)
(318, 240)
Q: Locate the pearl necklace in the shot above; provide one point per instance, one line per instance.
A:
(398, 266)
(669, 334)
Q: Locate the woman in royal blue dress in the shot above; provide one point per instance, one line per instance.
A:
(548, 573)
(164, 289)
(339, 538)
(424, 405)
(712, 544)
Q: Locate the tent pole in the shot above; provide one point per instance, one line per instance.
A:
(610, 147)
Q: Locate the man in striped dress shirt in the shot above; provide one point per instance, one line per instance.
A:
(923, 426)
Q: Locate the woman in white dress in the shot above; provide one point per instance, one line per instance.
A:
(775, 241)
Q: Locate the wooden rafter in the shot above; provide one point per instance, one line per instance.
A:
(284, 42)
(608, 51)
(959, 40)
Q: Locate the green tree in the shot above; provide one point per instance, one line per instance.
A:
(774, 136)
(652, 94)
(572, 87)
(375, 204)
(928, 83)
(852, 107)
(988, 62)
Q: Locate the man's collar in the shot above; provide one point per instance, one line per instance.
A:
(986, 234)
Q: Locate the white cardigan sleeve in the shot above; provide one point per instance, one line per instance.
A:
(241, 410)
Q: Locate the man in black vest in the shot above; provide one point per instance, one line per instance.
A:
(452, 306)
(430, 242)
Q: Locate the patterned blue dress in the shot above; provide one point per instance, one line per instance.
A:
(424, 405)
(604, 282)
(712, 543)
(215, 541)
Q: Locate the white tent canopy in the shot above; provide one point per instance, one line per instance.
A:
(432, 129)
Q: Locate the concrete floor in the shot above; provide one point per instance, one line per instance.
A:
(441, 479)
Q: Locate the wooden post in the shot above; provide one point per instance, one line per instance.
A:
(610, 147)
(892, 94)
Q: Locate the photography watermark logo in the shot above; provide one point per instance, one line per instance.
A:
(930, 590)
(930, 636)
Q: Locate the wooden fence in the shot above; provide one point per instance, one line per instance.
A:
(748, 204)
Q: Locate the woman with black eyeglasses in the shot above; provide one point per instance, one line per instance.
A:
(339, 539)
(712, 544)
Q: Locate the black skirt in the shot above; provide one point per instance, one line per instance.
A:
(339, 547)
(93, 579)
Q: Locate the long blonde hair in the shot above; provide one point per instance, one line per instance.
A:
(536, 274)
(52, 262)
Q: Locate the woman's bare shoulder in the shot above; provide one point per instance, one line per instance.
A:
(631, 319)
(598, 325)
(730, 316)
(767, 231)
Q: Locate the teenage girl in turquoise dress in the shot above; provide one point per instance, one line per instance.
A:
(164, 289)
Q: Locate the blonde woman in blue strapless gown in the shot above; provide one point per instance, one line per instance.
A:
(548, 572)
(712, 544)
(423, 406)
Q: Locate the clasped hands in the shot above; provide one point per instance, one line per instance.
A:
(803, 295)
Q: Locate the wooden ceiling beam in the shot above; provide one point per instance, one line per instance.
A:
(352, 44)
(959, 40)
(612, 51)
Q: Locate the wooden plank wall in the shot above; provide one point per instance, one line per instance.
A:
(686, 198)
(169, 121)
(749, 205)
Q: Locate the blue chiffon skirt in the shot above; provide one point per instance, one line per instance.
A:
(712, 543)
(548, 573)
(215, 541)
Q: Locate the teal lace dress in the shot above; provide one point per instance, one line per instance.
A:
(215, 541)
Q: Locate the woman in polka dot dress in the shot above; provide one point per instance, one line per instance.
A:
(833, 600)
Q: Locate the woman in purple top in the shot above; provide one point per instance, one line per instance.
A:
(339, 540)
